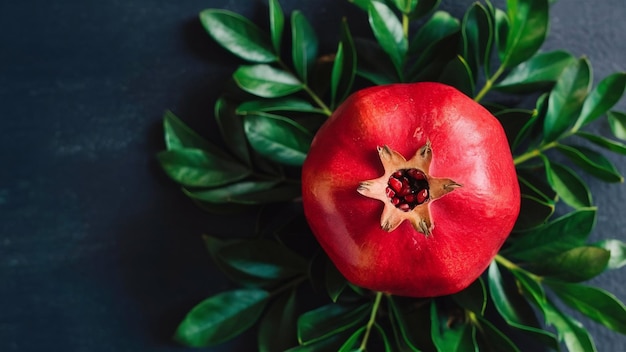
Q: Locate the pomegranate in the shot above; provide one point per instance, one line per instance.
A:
(421, 152)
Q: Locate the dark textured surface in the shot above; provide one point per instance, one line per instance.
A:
(98, 250)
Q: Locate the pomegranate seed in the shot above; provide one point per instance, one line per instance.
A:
(395, 184)
(397, 174)
(395, 201)
(422, 196)
(390, 193)
(404, 207)
(410, 198)
(416, 174)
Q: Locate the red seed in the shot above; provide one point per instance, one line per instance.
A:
(395, 201)
(397, 174)
(390, 193)
(422, 196)
(410, 198)
(404, 207)
(416, 174)
(395, 184)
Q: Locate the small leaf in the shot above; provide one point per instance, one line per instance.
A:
(606, 143)
(459, 337)
(179, 135)
(281, 193)
(405, 6)
(374, 64)
(434, 42)
(575, 265)
(592, 162)
(328, 320)
(569, 330)
(352, 344)
(221, 317)
(423, 8)
(266, 81)
(617, 121)
(335, 282)
(606, 94)
(214, 246)
(412, 319)
(538, 73)
(533, 182)
(238, 35)
(531, 127)
(566, 99)
(278, 138)
(531, 288)
(388, 32)
(515, 309)
(568, 185)
(534, 212)
(344, 67)
(513, 121)
(231, 128)
(277, 24)
(567, 232)
(528, 27)
(199, 168)
(230, 193)
(617, 249)
(473, 298)
(477, 32)
(280, 317)
(279, 104)
(304, 45)
(494, 338)
(457, 73)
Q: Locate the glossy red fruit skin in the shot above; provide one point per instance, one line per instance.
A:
(470, 224)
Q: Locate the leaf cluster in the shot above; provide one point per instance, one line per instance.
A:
(285, 89)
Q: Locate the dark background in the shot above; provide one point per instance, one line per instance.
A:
(99, 251)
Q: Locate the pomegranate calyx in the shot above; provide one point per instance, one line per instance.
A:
(406, 189)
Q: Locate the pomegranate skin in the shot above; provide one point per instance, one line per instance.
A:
(469, 225)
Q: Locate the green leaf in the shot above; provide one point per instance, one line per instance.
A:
(457, 73)
(530, 127)
(231, 128)
(280, 104)
(214, 246)
(473, 298)
(567, 232)
(412, 320)
(374, 64)
(477, 32)
(606, 143)
(534, 212)
(263, 258)
(304, 45)
(221, 317)
(238, 35)
(494, 338)
(423, 8)
(531, 288)
(617, 249)
(606, 94)
(281, 193)
(266, 81)
(538, 73)
(278, 138)
(178, 135)
(344, 67)
(434, 42)
(405, 6)
(335, 282)
(592, 162)
(566, 99)
(388, 32)
(515, 309)
(533, 182)
(513, 120)
(575, 265)
(501, 20)
(277, 24)
(199, 168)
(231, 193)
(568, 185)
(569, 330)
(597, 304)
(352, 344)
(459, 337)
(617, 121)
(280, 317)
(528, 26)
(328, 320)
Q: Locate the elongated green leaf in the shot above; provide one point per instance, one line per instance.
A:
(352, 344)
(279, 104)
(528, 26)
(328, 320)
(216, 245)
(473, 298)
(597, 304)
(374, 64)
(344, 67)
(569, 330)
(266, 81)
(383, 335)
(566, 99)
(179, 135)
(530, 287)
(501, 20)
(231, 193)
(459, 337)
(533, 182)
(362, 4)
(530, 129)
(282, 193)
(617, 249)
(539, 72)
(412, 320)
(304, 45)
(277, 331)
(458, 73)
(513, 120)
(606, 143)
(278, 138)
(388, 32)
(567, 232)
(335, 282)
(568, 185)
(575, 265)
(238, 35)
(494, 338)
(423, 8)
(405, 6)
(617, 121)
(477, 32)
(592, 162)
(433, 43)
(199, 168)
(221, 317)
(534, 212)
(515, 309)
(277, 24)
(231, 128)
(606, 94)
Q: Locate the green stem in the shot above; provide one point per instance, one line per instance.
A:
(489, 84)
(371, 321)
(405, 26)
(317, 100)
(506, 263)
(534, 153)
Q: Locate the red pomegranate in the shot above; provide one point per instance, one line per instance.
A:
(421, 152)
